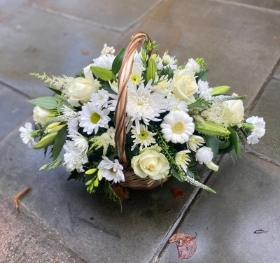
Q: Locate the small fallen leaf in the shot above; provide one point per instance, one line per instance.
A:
(186, 245)
(17, 196)
(260, 231)
(177, 192)
(120, 191)
(84, 52)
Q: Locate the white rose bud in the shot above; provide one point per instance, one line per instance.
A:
(40, 115)
(233, 111)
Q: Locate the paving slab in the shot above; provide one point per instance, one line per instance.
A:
(237, 43)
(36, 41)
(7, 7)
(111, 14)
(14, 109)
(92, 225)
(268, 108)
(241, 222)
(277, 73)
(269, 4)
(24, 240)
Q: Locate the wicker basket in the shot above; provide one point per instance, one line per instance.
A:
(131, 179)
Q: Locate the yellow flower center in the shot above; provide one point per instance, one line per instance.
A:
(178, 127)
(135, 79)
(151, 167)
(95, 118)
(143, 135)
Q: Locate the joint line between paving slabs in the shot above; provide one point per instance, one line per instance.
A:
(181, 215)
(14, 89)
(262, 9)
(262, 156)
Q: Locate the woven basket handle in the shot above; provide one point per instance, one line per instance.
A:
(123, 79)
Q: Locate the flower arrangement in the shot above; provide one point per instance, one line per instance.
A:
(138, 117)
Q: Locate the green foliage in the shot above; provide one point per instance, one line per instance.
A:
(47, 102)
(151, 70)
(213, 142)
(109, 192)
(235, 141)
(92, 184)
(56, 91)
(102, 73)
(202, 75)
(118, 62)
(58, 142)
(52, 164)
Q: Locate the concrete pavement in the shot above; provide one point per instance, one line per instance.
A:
(240, 41)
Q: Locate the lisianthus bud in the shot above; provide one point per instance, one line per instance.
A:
(211, 128)
(219, 90)
(46, 141)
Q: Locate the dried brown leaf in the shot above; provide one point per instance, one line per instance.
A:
(120, 191)
(84, 52)
(18, 195)
(186, 245)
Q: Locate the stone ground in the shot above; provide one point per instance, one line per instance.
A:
(58, 221)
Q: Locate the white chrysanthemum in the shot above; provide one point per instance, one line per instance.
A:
(25, 134)
(73, 125)
(100, 99)
(144, 105)
(104, 61)
(182, 159)
(177, 104)
(104, 140)
(168, 61)
(158, 61)
(204, 90)
(114, 86)
(258, 131)
(194, 142)
(80, 141)
(177, 126)
(68, 112)
(92, 117)
(73, 157)
(136, 75)
(107, 50)
(192, 66)
(111, 171)
(144, 138)
(205, 155)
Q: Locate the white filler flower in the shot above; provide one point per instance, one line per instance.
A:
(25, 134)
(79, 141)
(112, 171)
(258, 130)
(177, 126)
(205, 155)
(92, 117)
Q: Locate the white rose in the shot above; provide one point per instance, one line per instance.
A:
(150, 162)
(233, 111)
(40, 115)
(184, 85)
(81, 89)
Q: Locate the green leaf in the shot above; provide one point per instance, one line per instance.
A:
(235, 141)
(202, 75)
(196, 104)
(102, 73)
(56, 91)
(59, 141)
(213, 142)
(47, 102)
(109, 192)
(117, 63)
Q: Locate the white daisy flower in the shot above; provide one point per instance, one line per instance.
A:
(79, 141)
(192, 66)
(144, 138)
(25, 134)
(182, 159)
(73, 157)
(111, 171)
(177, 104)
(194, 142)
(100, 99)
(92, 117)
(136, 75)
(177, 126)
(144, 105)
(258, 130)
(204, 90)
(205, 155)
